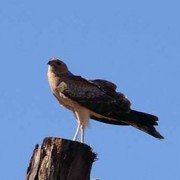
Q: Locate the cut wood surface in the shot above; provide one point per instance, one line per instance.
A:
(60, 159)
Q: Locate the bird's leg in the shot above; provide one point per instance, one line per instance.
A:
(82, 133)
(77, 131)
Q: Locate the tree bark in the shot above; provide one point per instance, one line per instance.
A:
(60, 159)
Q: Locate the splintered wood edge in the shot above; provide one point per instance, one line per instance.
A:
(34, 162)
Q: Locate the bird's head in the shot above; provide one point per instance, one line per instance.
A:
(57, 66)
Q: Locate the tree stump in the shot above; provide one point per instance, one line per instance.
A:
(60, 159)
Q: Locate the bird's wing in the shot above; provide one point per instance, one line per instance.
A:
(112, 106)
(104, 84)
(91, 96)
(110, 89)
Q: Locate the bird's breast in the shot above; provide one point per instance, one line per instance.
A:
(53, 80)
(65, 101)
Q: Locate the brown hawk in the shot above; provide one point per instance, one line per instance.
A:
(95, 99)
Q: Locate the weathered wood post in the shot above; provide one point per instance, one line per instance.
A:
(60, 159)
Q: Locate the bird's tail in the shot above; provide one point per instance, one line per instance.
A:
(144, 122)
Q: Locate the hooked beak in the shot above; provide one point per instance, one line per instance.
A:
(49, 63)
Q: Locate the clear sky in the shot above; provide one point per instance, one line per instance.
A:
(135, 44)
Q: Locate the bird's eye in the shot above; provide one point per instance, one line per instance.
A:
(59, 63)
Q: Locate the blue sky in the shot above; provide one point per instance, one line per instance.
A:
(134, 44)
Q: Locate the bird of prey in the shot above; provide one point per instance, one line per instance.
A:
(95, 99)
